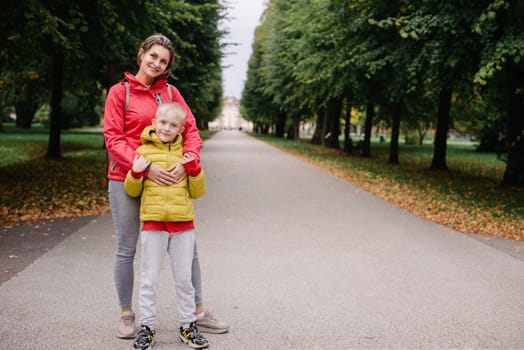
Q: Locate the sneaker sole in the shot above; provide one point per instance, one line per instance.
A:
(204, 329)
(193, 345)
(126, 336)
(149, 347)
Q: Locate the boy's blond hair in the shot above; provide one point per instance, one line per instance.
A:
(172, 107)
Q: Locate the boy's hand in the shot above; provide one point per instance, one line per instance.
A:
(178, 170)
(140, 164)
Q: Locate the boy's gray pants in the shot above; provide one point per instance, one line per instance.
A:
(125, 212)
(180, 247)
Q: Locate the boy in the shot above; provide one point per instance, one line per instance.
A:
(167, 216)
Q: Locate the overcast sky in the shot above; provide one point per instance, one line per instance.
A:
(244, 18)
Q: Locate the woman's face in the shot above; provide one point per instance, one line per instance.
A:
(154, 61)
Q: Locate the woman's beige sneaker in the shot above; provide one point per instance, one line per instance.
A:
(126, 326)
(209, 324)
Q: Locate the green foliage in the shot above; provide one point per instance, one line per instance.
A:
(309, 55)
(78, 113)
(98, 41)
(197, 72)
(500, 29)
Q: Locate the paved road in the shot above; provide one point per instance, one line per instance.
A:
(293, 258)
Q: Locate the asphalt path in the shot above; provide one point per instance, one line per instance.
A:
(292, 258)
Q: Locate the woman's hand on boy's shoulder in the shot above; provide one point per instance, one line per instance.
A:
(192, 167)
(140, 164)
(188, 157)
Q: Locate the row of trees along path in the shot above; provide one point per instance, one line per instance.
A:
(407, 64)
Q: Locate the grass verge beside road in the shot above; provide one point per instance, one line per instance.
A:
(35, 188)
(468, 197)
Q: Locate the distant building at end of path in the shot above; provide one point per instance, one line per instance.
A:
(230, 118)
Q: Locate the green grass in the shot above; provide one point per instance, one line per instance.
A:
(22, 145)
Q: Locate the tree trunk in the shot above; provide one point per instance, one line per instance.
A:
(57, 69)
(24, 115)
(112, 76)
(1, 112)
(334, 124)
(203, 125)
(441, 134)
(348, 143)
(26, 107)
(280, 127)
(325, 123)
(395, 134)
(370, 114)
(514, 173)
(421, 135)
(265, 128)
(292, 132)
(317, 137)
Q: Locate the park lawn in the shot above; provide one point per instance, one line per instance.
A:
(35, 188)
(468, 197)
(20, 145)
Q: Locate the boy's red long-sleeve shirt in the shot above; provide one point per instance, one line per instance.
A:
(122, 133)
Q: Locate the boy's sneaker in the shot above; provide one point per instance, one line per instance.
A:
(192, 337)
(145, 339)
(126, 326)
(209, 324)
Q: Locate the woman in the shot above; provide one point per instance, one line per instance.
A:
(130, 107)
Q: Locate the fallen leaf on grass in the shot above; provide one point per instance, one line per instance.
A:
(68, 187)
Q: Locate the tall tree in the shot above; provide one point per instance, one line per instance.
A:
(418, 58)
(447, 55)
(92, 43)
(197, 71)
(501, 30)
(257, 103)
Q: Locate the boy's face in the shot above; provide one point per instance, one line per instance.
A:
(168, 126)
